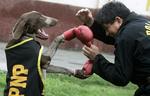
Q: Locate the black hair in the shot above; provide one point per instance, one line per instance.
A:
(110, 10)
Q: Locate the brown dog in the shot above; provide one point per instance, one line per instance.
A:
(24, 55)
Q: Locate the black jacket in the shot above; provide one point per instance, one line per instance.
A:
(24, 71)
(132, 52)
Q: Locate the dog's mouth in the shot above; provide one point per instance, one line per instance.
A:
(41, 34)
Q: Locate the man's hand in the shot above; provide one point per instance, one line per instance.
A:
(91, 51)
(85, 16)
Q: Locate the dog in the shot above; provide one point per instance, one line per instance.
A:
(25, 59)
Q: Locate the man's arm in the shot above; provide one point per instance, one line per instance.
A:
(120, 72)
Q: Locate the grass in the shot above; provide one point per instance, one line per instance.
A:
(62, 85)
(2, 82)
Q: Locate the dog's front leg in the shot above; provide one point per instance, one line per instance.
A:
(48, 55)
(58, 69)
(47, 68)
(53, 46)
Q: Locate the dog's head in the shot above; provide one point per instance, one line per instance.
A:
(31, 24)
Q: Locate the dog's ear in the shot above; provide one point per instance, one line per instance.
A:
(18, 28)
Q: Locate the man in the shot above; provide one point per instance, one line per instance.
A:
(114, 24)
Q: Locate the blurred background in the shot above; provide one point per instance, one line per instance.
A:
(64, 11)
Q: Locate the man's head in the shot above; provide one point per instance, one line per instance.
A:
(111, 16)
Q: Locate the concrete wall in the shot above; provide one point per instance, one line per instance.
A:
(10, 10)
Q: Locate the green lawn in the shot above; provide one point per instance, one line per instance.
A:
(61, 85)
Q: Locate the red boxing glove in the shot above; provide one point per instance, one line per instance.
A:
(85, 72)
(84, 34)
(87, 67)
(69, 34)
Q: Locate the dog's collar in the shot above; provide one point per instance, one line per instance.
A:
(18, 44)
(27, 35)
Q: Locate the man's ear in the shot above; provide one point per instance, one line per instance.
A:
(119, 20)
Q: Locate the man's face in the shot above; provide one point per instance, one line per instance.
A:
(112, 28)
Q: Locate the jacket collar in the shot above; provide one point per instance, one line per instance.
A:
(131, 17)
